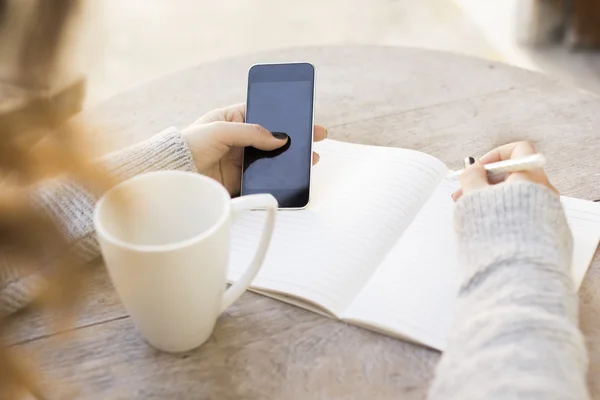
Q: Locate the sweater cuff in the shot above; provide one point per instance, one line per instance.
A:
(520, 219)
(166, 151)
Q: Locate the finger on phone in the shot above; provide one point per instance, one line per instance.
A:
(320, 133)
(241, 108)
(237, 134)
(315, 158)
(508, 151)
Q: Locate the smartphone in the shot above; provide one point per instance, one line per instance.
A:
(281, 99)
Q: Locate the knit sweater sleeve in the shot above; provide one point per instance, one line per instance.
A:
(515, 332)
(71, 207)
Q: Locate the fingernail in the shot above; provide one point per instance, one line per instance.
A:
(469, 161)
(280, 135)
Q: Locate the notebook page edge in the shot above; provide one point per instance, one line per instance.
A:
(291, 298)
(423, 339)
(296, 302)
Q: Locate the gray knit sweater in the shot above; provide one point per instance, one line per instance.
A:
(515, 332)
(72, 207)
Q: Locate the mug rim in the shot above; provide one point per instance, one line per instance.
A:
(147, 248)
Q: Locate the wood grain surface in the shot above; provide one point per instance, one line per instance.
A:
(443, 104)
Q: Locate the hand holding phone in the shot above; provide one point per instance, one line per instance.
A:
(217, 140)
(281, 99)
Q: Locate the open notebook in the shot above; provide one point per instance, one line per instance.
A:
(376, 246)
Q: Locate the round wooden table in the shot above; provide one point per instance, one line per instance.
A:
(447, 105)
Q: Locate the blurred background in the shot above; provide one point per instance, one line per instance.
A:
(126, 43)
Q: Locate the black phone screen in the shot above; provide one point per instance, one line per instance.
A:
(280, 98)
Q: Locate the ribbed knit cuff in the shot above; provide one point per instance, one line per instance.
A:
(165, 151)
(19, 288)
(516, 220)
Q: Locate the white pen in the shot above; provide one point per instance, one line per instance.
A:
(526, 163)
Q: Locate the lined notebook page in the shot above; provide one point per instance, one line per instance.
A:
(363, 198)
(584, 221)
(413, 292)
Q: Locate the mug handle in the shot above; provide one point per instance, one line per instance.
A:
(239, 205)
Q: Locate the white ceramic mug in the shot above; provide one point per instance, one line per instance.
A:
(165, 238)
